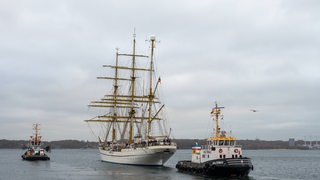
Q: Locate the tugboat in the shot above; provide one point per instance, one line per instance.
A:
(221, 157)
(35, 151)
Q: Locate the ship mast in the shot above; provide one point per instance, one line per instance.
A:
(151, 95)
(132, 111)
(216, 112)
(115, 93)
(36, 138)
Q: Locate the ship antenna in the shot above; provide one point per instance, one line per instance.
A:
(134, 33)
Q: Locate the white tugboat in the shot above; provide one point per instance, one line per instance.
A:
(220, 157)
(35, 151)
(134, 132)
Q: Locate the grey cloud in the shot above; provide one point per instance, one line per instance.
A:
(242, 54)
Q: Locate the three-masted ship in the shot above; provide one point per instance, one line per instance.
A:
(134, 131)
(220, 157)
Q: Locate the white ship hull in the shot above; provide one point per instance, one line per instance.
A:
(146, 156)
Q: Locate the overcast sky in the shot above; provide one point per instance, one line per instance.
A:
(243, 54)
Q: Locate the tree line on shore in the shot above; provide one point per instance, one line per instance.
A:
(182, 144)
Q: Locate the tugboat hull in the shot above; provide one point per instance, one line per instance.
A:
(35, 157)
(217, 168)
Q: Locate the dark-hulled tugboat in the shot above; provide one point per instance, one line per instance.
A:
(221, 157)
(35, 151)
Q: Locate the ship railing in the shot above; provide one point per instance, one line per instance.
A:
(163, 142)
(120, 146)
(209, 147)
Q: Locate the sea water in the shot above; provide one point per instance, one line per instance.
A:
(85, 164)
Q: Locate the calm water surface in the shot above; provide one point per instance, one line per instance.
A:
(85, 164)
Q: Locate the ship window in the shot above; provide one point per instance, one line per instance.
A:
(221, 143)
(240, 156)
(213, 148)
(227, 143)
(232, 156)
(203, 156)
(224, 156)
(208, 155)
(220, 156)
(236, 156)
(231, 143)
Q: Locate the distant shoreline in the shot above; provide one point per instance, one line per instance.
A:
(182, 144)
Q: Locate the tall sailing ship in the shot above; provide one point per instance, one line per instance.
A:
(134, 129)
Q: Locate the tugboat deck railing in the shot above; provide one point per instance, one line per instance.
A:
(219, 146)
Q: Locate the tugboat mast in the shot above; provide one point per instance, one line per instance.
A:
(36, 138)
(216, 112)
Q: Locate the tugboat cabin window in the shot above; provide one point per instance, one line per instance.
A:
(221, 143)
(224, 142)
(215, 143)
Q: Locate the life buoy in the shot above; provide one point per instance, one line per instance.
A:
(236, 150)
(220, 150)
